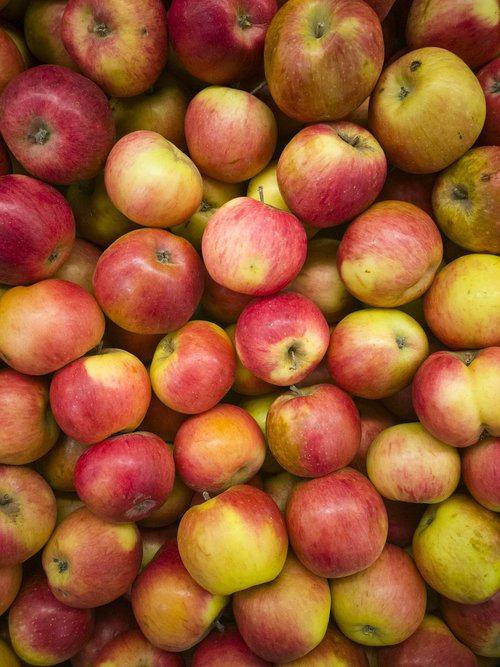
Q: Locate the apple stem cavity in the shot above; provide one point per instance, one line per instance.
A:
(8, 506)
(460, 192)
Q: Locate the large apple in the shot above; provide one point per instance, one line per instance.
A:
(489, 78)
(476, 625)
(481, 472)
(57, 123)
(42, 31)
(417, 109)
(322, 59)
(120, 46)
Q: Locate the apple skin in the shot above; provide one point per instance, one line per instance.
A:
(405, 462)
(34, 251)
(222, 305)
(122, 47)
(448, 555)
(177, 502)
(489, 78)
(403, 520)
(85, 549)
(151, 181)
(449, 398)
(231, 134)
(481, 472)
(412, 188)
(11, 58)
(172, 610)
(337, 524)
(341, 42)
(469, 28)
(389, 254)
(98, 395)
(29, 429)
(332, 150)
(43, 630)
(142, 345)
(220, 42)
(233, 540)
(126, 477)
(425, 88)
(334, 650)
(149, 281)
(194, 367)
(431, 644)
(383, 604)
(476, 625)
(466, 200)
(80, 264)
(162, 420)
(245, 382)
(205, 451)
(374, 417)
(57, 123)
(314, 430)
(281, 338)
(11, 577)
(375, 352)
(131, 646)
(229, 643)
(42, 31)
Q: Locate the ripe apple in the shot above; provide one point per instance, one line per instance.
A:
(245, 382)
(337, 523)
(476, 625)
(229, 643)
(162, 420)
(57, 466)
(172, 610)
(80, 264)
(149, 281)
(412, 188)
(233, 540)
(11, 577)
(27, 513)
(403, 520)
(375, 352)
(282, 337)
(89, 561)
(57, 123)
(151, 181)
(383, 604)
(177, 502)
(122, 47)
(481, 472)
(334, 650)
(142, 345)
(11, 58)
(42, 31)
(312, 167)
(322, 59)
(417, 109)
(374, 417)
(456, 547)
(231, 134)
(253, 248)
(405, 462)
(489, 78)
(131, 648)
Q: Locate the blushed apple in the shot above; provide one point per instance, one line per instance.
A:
(245, 382)
(481, 472)
(403, 520)
(476, 625)
(80, 264)
(11, 577)
(334, 650)
(162, 420)
(374, 417)
(57, 466)
(42, 31)
(229, 643)
(126, 649)
(489, 78)
(12, 60)
(412, 188)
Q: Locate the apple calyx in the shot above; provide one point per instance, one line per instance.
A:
(495, 87)
(244, 21)
(369, 630)
(459, 192)
(40, 136)
(100, 29)
(401, 342)
(163, 256)
(9, 506)
(62, 564)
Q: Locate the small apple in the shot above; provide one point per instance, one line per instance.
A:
(245, 382)
(481, 472)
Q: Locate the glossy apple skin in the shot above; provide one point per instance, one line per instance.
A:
(321, 514)
(126, 477)
(57, 123)
(34, 251)
(382, 604)
(85, 549)
(481, 472)
(122, 47)
(12, 59)
(129, 647)
(80, 264)
(253, 248)
(341, 41)
(489, 78)
(228, 643)
(173, 611)
(245, 382)
(476, 625)
(234, 540)
(449, 396)
(447, 553)
(42, 31)
(149, 281)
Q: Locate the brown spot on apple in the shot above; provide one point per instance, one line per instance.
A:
(9, 507)
(414, 65)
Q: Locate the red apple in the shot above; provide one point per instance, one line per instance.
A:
(222, 305)
(131, 646)
(245, 382)
(177, 502)
(11, 577)
(153, 539)
(42, 31)
(229, 643)
(403, 518)
(334, 650)
(142, 345)
(80, 264)
(489, 78)
(5, 160)
(481, 472)
(162, 420)
(476, 625)
(374, 418)
(412, 188)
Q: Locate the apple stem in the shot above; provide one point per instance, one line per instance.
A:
(205, 495)
(293, 358)
(295, 390)
(258, 87)
(260, 190)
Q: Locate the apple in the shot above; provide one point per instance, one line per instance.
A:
(375, 352)
(403, 520)
(231, 134)
(456, 547)
(245, 382)
(258, 407)
(383, 604)
(27, 513)
(218, 448)
(122, 47)
(322, 59)
(432, 643)
(234, 540)
(57, 123)
(57, 466)
(229, 643)
(126, 477)
(43, 630)
(11, 577)
(151, 181)
(489, 78)
(11, 58)
(282, 337)
(89, 561)
(467, 28)
(449, 394)
(412, 188)
(172, 610)
(80, 264)
(42, 31)
(153, 539)
(66, 502)
(337, 523)
(389, 254)
(382, 7)
(100, 394)
(481, 472)
(131, 646)
(312, 167)
(7, 655)
(476, 625)
(314, 430)
(149, 281)
(374, 417)
(168, 514)
(193, 367)
(162, 420)
(29, 429)
(405, 462)
(265, 185)
(142, 345)
(417, 109)
(34, 251)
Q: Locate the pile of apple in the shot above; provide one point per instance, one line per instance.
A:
(250, 333)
